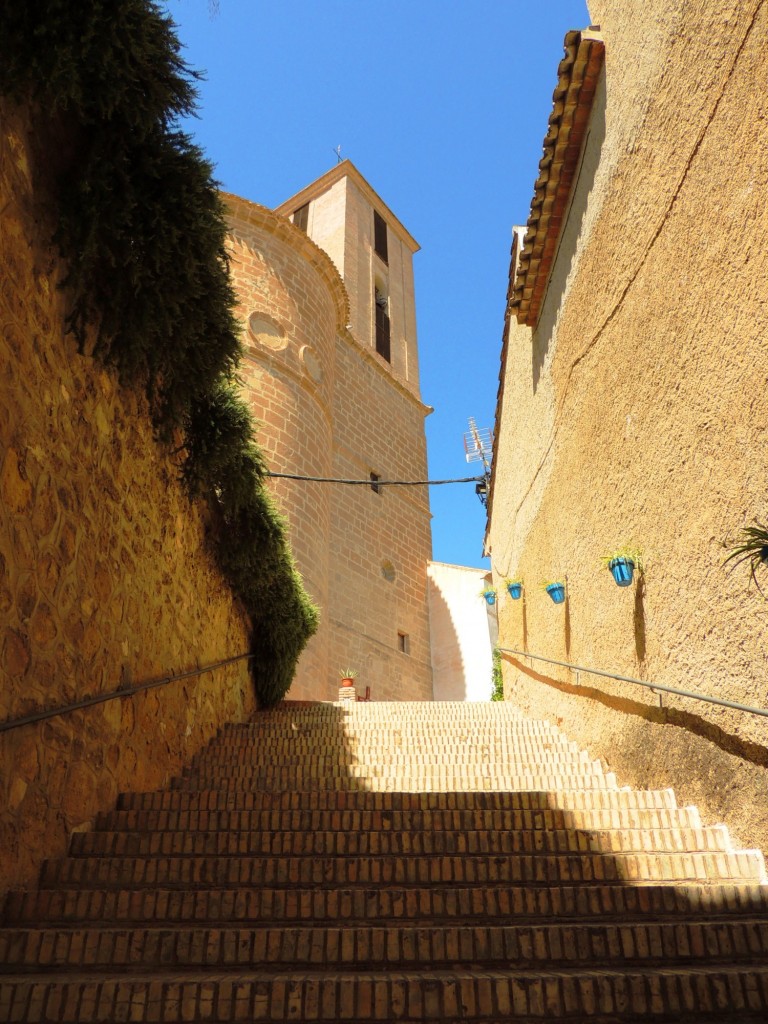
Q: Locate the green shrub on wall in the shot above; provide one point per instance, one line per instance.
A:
(497, 680)
(141, 227)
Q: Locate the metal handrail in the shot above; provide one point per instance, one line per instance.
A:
(127, 691)
(654, 687)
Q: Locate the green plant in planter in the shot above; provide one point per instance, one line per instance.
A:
(622, 563)
(555, 589)
(489, 593)
(348, 673)
(753, 549)
(628, 553)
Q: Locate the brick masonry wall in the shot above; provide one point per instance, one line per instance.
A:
(362, 267)
(636, 411)
(104, 576)
(379, 428)
(343, 413)
(283, 280)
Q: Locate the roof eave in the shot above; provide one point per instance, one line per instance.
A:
(578, 74)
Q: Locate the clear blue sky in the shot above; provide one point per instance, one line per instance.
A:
(442, 105)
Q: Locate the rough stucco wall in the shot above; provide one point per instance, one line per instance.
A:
(655, 428)
(104, 578)
(461, 639)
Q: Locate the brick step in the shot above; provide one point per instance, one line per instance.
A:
(397, 821)
(187, 843)
(290, 754)
(397, 946)
(394, 712)
(431, 733)
(568, 799)
(448, 729)
(451, 728)
(411, 782)
(130, 872)
(290, 772)
(685, 995)
(510, 904)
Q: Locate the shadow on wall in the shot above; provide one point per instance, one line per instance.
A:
(565, 256)
(639, 619)
(463, 629)
(728, 742)
(449, 670)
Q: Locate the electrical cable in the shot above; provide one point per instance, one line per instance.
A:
(377, 483)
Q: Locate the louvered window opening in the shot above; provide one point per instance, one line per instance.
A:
(380, 237)
(382, 333)
(301, 217)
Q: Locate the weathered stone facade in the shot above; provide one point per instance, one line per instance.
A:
(330, 405)
(104, 576)
(635, 411)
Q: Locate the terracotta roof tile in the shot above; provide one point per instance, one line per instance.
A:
(578, 73)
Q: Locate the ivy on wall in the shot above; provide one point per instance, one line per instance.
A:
(141, 227)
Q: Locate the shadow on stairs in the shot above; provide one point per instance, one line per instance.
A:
(392, 862)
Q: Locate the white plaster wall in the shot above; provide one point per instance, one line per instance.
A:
(460, 634)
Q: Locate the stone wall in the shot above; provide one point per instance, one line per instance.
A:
(104, 575)
(291, 302)
(639, 414)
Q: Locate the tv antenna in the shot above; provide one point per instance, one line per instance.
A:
(478, 447)
(337, 151)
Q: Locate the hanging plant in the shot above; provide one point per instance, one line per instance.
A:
(622, 564)
(489, 593)
(555, 589)
(752, 549)
(514, 588)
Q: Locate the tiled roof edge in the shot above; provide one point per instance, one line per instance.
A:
(578, 73)
(514, 257)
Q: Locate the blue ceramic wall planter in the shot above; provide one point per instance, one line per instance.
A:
(515, 590)
(557, 592)
(623, 571)
(490, 596)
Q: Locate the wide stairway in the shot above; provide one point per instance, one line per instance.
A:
(392, 862)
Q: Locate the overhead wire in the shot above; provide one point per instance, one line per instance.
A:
(376, 483)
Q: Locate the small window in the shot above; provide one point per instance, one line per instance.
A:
(375, 477)
(301, 217)
(380, 236)
(403, 643)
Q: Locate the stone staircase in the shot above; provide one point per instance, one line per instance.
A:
(392, 862)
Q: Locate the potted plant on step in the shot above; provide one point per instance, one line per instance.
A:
(751, 548)
(514, 587)
(489, 593)
(622, 563)
(348, 676)
(555, 589)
